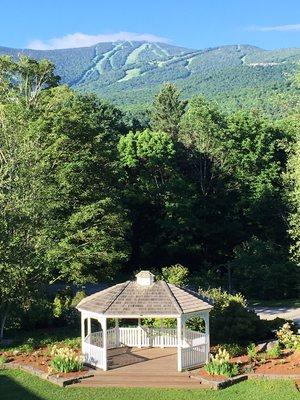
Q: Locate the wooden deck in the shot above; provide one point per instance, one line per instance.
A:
(146, 367)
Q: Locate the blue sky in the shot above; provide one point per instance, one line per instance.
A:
(190, 23)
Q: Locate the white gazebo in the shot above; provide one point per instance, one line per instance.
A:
(139, 299)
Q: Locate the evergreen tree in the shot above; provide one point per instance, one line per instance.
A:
(167, 110)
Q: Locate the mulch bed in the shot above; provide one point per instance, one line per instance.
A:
(38, 362)
(287, 366)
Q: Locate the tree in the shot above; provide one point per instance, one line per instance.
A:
(176, 274)
(85, 239)
(25, 79)
(61, 217)
(167, 110)
(262, 269)
(202, 131)
(22, 210)
(293, 186)
(22, 187)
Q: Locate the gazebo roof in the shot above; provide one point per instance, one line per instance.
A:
(140, 299)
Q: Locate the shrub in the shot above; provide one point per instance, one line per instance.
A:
(220, 365)
(176, 274)
(64, 306)
(233, 349)
(275, 351)
(252, 352)
(35, 314)
(232, 322)
(65, 360)
(262, 359)
(73, 343)
(288, 338)
(3, 359)
(28, 347)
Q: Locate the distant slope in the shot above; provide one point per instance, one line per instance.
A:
(129, 73)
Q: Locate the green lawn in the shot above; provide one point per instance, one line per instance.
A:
(17, 385)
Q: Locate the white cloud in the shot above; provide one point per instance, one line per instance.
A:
(83, 40)
(276, 28)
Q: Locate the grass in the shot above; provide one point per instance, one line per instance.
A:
(18, 385)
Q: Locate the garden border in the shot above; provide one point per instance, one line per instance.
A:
(217, 385)
(239, 378)
(58, 380)
(220, 384)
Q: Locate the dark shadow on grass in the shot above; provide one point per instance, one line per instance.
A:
(11, 390)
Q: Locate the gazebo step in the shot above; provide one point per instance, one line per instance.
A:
(141, 381)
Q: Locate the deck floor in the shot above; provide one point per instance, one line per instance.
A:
(146, 367)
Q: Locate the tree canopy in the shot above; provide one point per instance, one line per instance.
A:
(88, 194)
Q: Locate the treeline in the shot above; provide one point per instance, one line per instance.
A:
(90, 194)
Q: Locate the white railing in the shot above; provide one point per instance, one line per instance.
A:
(92, 353)
(148, 337)
(194, 345)
(129, 337)
(193, 338)
(193, 356)
(96, 338)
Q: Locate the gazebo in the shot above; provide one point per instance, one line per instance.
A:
(144, 298)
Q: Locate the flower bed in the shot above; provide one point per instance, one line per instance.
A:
(277, 359)
(288, 363)
(57, 363)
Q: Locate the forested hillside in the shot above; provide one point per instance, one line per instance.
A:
(130, 73)
(87, 194)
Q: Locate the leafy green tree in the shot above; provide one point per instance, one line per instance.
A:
(22, 187)
(261, 269)
(25, 78)
(293, 186)
(84, 239)
(202, 131)
(61, 217)
(22, 210)
(167, 110)
(176, 274)
(159, 200)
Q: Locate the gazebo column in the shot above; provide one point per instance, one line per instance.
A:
(117, 330)
(184, 340)
(139, 333)
(82, 329)
(103, 322)
(89, 325)
(179, 334)
(207, 341)
(161, 334)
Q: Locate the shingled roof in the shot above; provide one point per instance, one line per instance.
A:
(130, 298)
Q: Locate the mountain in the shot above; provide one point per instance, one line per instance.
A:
(130, 73)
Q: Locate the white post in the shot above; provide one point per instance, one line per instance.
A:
(184, 339)
(179, 328)
(139, 333)
(161, 333)
(117, 330)
(82, 330)
(89, 326)
(207, 341)
(104, 333)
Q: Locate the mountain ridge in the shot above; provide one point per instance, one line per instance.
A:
(130, 72)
